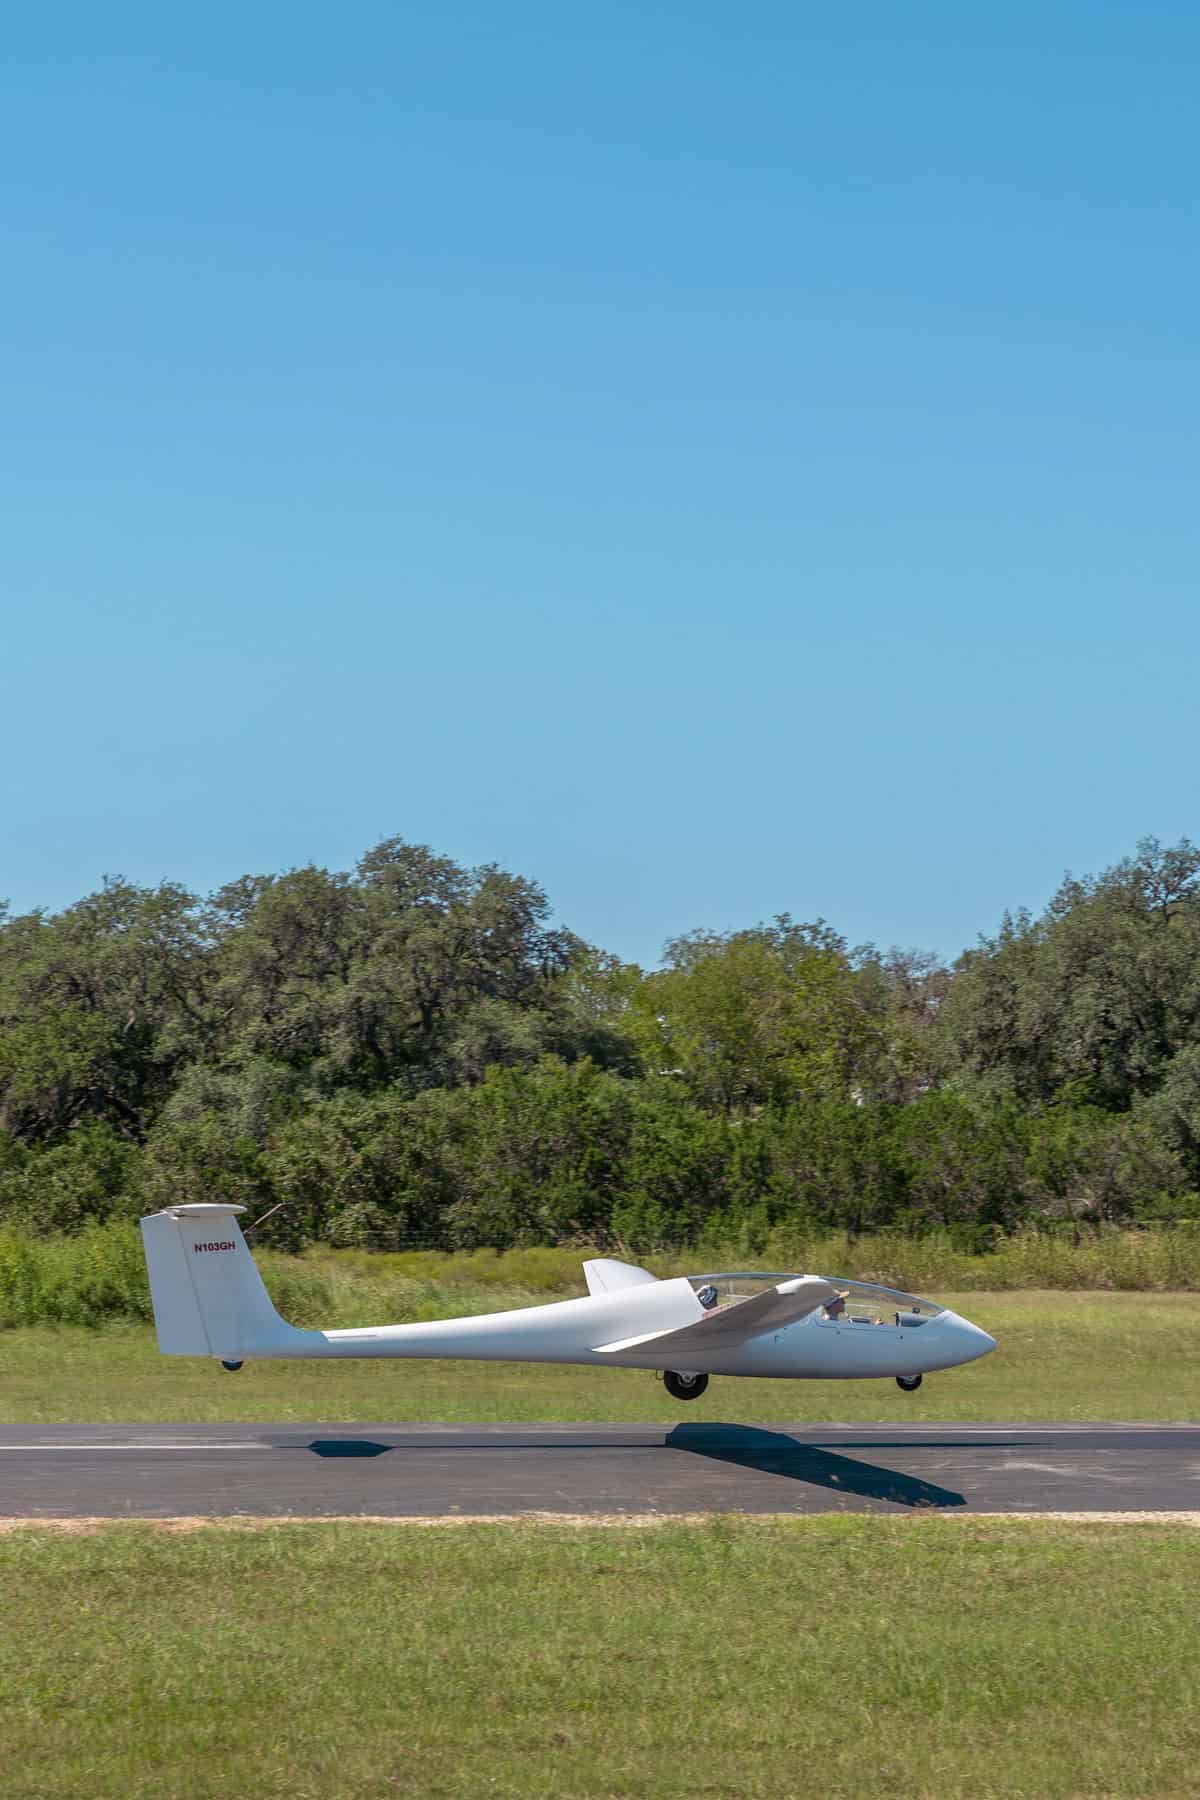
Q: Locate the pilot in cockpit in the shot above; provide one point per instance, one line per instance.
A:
(707, 1296)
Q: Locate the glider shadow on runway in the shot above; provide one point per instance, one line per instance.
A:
(742, 1446)
(774, 1453)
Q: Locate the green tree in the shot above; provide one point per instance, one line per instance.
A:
(375, 1170)
(758, 1017)
(1097, 996)
(678, 1172)
(88, 1174)
(542, 1155)
(831, 1166)
(960, 1164)
(1091, 1166)
(100, 1007)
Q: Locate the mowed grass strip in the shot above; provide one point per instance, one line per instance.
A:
(1069, 1356)
(735, 1658)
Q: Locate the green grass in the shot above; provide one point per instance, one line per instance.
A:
(737, 1658)
(1060, 1356)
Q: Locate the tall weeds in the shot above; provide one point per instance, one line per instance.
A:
(99, 1275)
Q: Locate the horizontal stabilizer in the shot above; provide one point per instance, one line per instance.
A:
(733, 1325)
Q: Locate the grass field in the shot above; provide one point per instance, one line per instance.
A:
(1061, 1356)
(737, 1658)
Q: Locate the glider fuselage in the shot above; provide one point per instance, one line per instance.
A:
(566, 1332)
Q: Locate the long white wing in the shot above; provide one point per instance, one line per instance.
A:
(769, 1311)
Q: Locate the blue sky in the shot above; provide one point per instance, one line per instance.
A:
(714, 460)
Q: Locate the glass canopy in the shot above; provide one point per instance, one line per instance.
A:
(856, 1302)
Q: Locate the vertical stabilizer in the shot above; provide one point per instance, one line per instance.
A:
(209, 1298)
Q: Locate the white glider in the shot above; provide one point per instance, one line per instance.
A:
(209, 1300)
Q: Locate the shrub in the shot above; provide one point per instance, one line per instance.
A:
(96, 1275)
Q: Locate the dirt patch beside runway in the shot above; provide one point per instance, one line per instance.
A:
(577, 1521)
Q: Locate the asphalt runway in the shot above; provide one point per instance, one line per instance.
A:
(166, 1471)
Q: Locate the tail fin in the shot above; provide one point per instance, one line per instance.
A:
(209, 1298)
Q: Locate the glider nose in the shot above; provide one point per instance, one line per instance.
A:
(969, 1341)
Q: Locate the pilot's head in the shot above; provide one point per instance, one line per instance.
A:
(707, 1296)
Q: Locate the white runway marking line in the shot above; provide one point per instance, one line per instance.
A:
(240, 1445)
(1065, 1470)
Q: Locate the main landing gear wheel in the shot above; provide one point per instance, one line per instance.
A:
(684, 1387)
(910, 1383)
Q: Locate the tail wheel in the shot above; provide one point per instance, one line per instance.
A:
(232, 1367)
(684, 1387)
(909, 1383)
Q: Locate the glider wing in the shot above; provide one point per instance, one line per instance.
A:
(769, 1311)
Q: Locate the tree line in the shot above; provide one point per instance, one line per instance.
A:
(410, 1053)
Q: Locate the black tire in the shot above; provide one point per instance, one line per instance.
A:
(909, 1383)
(684, 1387)
(232, 1367)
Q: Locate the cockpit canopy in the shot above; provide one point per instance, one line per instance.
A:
(857, 1302)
